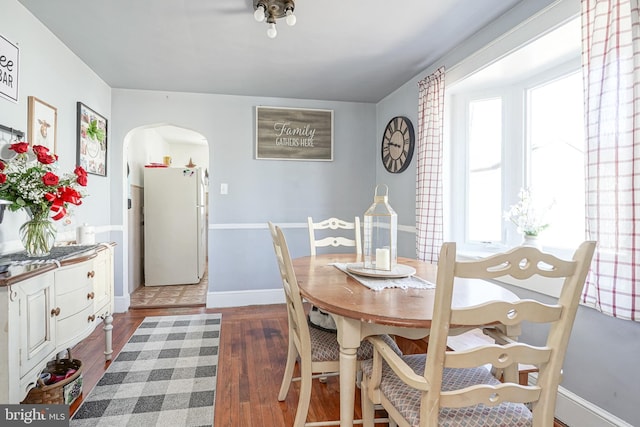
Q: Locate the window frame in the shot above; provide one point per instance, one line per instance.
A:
(515, 165)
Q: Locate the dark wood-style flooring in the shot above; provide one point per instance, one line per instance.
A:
(253, 349)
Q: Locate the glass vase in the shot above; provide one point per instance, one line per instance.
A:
(38, 236)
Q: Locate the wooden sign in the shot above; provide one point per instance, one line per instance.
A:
(294, 134)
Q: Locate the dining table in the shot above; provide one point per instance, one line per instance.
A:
(360, 311)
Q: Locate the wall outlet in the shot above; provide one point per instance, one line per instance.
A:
(224, 188)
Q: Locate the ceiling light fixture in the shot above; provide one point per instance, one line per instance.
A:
(270, 10)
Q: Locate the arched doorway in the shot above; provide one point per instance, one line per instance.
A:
(154, 145)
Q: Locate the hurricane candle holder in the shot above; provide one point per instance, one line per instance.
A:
(380, 233)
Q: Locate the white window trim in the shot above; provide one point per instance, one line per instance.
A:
(536, 26)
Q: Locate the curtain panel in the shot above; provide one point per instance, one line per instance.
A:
(611, 64)
(429, 212)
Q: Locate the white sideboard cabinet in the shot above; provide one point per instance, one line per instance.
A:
(48, 308)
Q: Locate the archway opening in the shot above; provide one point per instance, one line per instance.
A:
(175, 149)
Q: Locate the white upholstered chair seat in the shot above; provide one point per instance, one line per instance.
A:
(407, 400)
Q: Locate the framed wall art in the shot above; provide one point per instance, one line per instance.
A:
(92, 141)
(9, 73)
(43, 123)
(294, 134)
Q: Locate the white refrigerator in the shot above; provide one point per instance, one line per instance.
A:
(174, 226)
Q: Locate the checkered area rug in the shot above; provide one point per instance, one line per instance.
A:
(164, 376)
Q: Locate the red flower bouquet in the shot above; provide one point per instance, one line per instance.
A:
(29, 180)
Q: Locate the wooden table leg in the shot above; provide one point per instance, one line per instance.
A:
(347, 384)
(349, 335)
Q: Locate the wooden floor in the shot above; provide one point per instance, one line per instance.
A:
(253, 348)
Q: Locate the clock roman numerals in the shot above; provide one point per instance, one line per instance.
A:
(393, 165)
(388, 162)
(397, 144)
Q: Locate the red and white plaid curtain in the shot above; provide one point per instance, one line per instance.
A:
(611, 68)
(429, 167)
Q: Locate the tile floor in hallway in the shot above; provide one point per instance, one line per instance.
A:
(171, 296)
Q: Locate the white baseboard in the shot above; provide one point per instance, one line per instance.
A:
(243, 298)
(121, 304)
(575, 411)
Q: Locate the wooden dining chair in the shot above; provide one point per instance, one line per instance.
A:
(316, 351)
(455, 388)
(334, 224)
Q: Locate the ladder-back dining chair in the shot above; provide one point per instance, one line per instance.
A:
(455, 388)
(334, 224)
(316, 351)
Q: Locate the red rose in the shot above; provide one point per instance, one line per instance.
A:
(82, 180)
(20, 147)
(40, 150)
(3, 178)
(47, 159)
(50, 179)
(2, 166)
(79, 170)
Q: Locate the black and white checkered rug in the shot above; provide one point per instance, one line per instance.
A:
(164, 376)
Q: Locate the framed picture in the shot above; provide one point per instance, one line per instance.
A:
(43, 123)
(9, 69)
(294, 134)
(92, 141)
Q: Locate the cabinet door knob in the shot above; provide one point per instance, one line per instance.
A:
(55, 311)
(91, 295)
(91, 318)
(90, 274)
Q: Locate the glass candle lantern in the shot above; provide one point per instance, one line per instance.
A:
(380, 233)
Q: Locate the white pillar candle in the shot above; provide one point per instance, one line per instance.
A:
(383, 259)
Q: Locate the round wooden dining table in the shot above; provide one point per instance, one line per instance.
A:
(360, 311)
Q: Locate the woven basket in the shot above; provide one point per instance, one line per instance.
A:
(62, 392)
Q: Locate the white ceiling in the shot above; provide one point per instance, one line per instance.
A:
(358, 51)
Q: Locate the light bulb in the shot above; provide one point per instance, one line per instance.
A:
(291, 18)
(271, 31)
(259, 13)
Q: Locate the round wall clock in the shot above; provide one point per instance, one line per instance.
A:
(397, 144)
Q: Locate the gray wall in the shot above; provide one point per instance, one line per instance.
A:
(259, 190)
(50, 72)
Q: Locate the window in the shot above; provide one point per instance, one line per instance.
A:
(485, 169)
(556, 141)
(519, 124)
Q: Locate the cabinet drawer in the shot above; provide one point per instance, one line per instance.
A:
(74, 302)
(74, 277)
(70, 328)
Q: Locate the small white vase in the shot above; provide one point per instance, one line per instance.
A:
(532, 241)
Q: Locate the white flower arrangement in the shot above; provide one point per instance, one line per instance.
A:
(530, 219)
